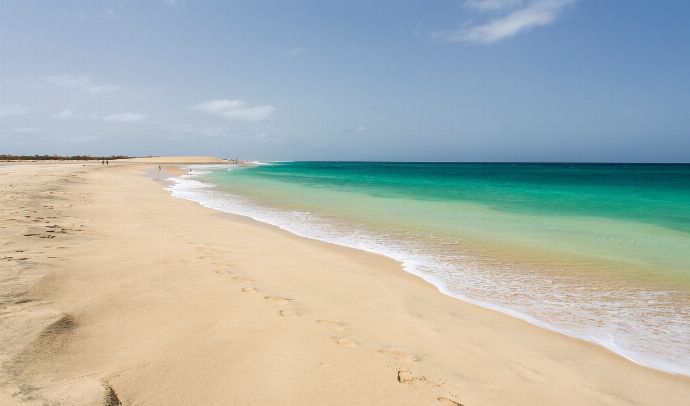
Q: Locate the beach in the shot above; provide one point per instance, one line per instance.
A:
(113, 291)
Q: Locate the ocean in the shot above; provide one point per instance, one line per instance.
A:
(599, 252)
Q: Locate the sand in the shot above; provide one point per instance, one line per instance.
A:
(175, 160)
(114, 291)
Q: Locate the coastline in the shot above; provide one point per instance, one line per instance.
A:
(168, 302)
(639, 321)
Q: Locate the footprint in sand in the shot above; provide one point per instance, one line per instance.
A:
(248, 290)
(276, 300)
(448, 402)
(345, 342)
(331, 324)
(398, 355)
(289, 314)
(243, 280)
(221, 272)
(405, 377)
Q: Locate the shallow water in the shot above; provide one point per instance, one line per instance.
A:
(598, 252)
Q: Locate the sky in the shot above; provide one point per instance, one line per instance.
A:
(360, 80)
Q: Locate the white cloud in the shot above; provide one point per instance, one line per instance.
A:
(86, 83)
(296, 51)
(234, 110)
(66, 115)
(361, 128)
(11, 110)
(80, 16)
(125, 117)
(520, 17)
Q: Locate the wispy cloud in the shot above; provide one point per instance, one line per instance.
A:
(66, 115)
(125, 117)
(12, 110)
(359, 129)
(86, 83)
(296, 51)
(109, 12)
(234, 110)
(171, 2)
(514, 16)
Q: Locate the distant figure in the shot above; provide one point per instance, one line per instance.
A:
(107, 163)
(102, 162)
(159, 167)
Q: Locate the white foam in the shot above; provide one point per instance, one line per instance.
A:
(578, 310)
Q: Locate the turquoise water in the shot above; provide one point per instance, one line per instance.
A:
(597, 251)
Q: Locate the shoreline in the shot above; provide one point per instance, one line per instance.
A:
(168, 302)
(411, 265)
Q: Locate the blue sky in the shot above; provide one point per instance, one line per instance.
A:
(467, 80)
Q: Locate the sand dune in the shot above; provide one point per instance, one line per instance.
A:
(106, 299)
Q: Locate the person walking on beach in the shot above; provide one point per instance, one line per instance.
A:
(107, 163)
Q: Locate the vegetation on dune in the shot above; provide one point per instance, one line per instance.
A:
(9, 157)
